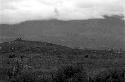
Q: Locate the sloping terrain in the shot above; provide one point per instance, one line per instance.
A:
(21, 58)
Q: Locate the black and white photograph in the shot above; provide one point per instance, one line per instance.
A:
(62, 40)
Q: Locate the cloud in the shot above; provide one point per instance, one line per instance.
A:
(16, 11)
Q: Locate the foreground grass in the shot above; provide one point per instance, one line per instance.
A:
(64, 73)
(61, 68)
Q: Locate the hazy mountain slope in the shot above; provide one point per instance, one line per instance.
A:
(93, 33)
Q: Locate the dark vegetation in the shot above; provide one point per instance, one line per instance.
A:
(33, 61)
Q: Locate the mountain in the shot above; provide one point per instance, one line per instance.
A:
(92, 33)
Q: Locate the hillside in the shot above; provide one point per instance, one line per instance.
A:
(22, 57)
(23, 46)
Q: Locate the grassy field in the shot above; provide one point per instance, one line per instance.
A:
(32, 61)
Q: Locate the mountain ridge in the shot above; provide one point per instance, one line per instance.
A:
(93, 33)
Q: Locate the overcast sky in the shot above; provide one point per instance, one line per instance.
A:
(16, 11)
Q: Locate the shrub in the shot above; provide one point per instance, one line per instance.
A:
(30, 76)
(24, 77)
(44, 76)
(70, 73)
(111, 75)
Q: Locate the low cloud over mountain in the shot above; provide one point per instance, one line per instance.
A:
(16, 11)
